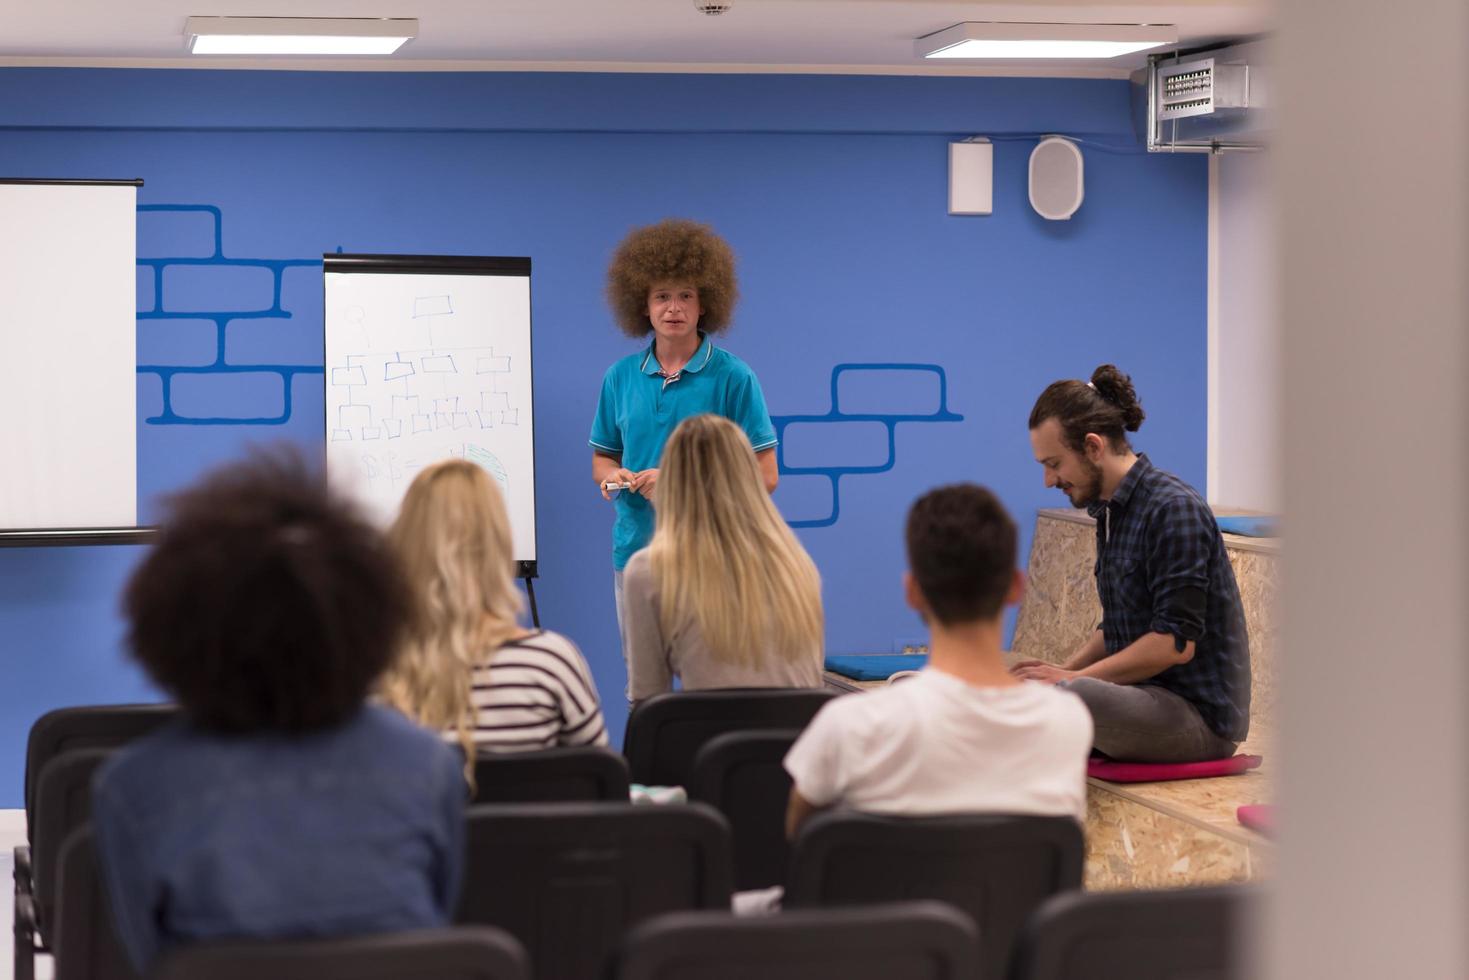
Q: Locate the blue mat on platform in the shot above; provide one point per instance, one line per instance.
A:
(1253, 527)
(874, 666)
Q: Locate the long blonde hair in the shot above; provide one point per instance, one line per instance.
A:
(723, 557)
(453, 539)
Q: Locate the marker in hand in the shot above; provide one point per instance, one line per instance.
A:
(611, 485)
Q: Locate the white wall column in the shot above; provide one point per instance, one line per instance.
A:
(1373, 875)
(1244, 334)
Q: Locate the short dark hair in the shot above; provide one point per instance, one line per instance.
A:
(266, 603)
(673, 250)
(1107, 405)
(961, 552)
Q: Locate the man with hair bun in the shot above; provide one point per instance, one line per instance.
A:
(1166, 674)
(676, 281)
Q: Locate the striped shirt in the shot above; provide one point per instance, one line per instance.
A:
(535, 693)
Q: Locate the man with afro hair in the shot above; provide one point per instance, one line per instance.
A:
(676, 281)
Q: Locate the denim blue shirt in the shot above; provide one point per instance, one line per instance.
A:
(640, 407)
(355, 830)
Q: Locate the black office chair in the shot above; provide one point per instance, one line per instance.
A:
(741, 775)
(84, 941)
(902, 941)
(554, 775)
(1177, 934)
(995, 868)
(101, 726)
(568, 879)
(463, 953)
(666, 731)
(63, 802)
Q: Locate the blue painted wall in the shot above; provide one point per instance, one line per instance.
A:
(831, 189)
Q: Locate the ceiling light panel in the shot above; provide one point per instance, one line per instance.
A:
(298, 35)
(1055, 41)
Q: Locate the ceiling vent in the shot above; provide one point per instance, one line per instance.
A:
(1204, 101)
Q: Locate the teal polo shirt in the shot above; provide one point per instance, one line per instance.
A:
(640, 408)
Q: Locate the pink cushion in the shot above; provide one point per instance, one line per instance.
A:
(1259, 817)
(1157, 772)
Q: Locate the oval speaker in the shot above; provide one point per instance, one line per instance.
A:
(1055, 178)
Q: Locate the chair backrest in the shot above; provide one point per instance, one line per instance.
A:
(908, 940)
(553, 775)
(463, 953)
(568, 879)
(996, 868)
(1177, 934)
(741, 775)
(83, 939)
(63, 803)
(101, 726)
(666, 731)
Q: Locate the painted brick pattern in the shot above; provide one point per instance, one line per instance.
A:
(897, 391)
(817, 445)
(150, 395)
(214, 339)
(239, 396)
(798, 495)
(307, 396)
(907, 382)
(177, 232)
(262, 341)
(302, 291)
(295, 338)
(146, 292)
(198, 288)
(184, 343)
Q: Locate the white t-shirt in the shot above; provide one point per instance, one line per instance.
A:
(934, 745)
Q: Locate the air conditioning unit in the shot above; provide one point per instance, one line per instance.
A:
(1205, 101)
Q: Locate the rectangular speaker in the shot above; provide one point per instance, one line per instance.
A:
(971, 177)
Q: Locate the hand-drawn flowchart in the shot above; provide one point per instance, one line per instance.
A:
(423, 367)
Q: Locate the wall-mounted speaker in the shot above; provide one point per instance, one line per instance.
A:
(971, 177)
(1056, 187)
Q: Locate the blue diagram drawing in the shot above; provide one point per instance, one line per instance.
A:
(890, 421)
(482, 456)
(221, 318)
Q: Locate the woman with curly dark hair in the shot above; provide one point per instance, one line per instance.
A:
(281, 805)
(676, 281)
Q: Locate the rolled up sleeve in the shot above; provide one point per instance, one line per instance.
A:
(1178, 568)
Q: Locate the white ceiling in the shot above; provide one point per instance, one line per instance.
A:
(618, 35)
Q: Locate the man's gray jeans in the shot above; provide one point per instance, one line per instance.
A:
(1146, 723)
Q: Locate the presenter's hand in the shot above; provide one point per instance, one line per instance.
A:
(646, 483)
(1036, 670)
(615, 476)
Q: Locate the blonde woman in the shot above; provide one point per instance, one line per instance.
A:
(724, 595)
(468, 667)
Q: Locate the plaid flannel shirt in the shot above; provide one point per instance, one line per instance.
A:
(1161, 568)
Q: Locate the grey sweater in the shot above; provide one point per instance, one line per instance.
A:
(653, 660)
